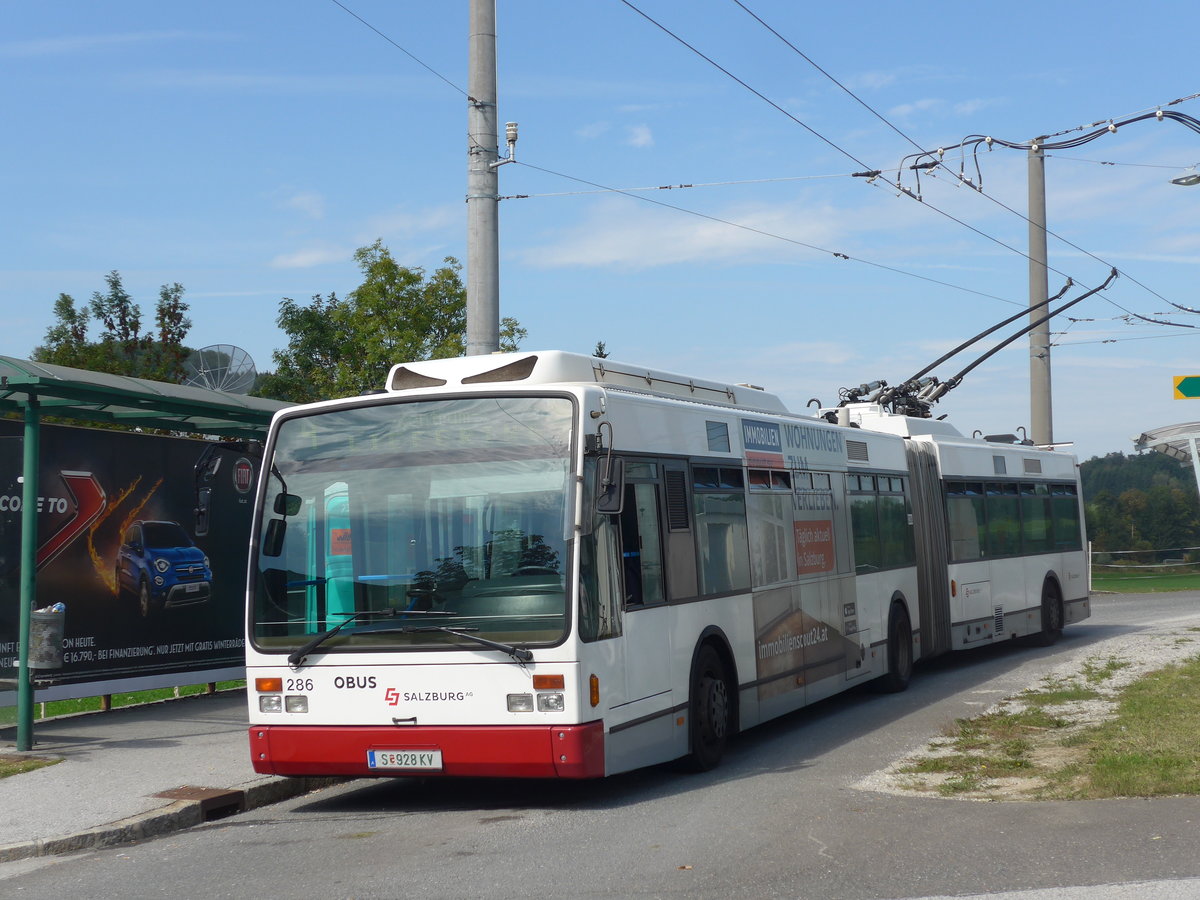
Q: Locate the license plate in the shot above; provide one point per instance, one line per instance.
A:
(192, 588)
(429, 760)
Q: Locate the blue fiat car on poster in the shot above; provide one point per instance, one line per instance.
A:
(160, 565)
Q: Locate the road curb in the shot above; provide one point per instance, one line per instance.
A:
(173, 817)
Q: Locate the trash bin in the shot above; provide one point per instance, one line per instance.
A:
(46, 629)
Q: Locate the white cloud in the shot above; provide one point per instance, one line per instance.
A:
(624, 232)
(307, 202)
(592, 131)
(403, 224)
(640, 136)
(972, 106)
(618, 232)
(178, 79)
(874, 80)
(86, 43)
(871, 81)
(309, 257)
(904, 110)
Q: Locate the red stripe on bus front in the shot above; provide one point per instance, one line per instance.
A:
(496, 751)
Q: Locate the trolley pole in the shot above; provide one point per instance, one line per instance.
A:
(1040, 414)
(483, 185)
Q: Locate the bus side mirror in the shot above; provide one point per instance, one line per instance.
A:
(272, 542)
(287, 504)
(610, 487)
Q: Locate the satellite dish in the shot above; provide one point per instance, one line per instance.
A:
(220, 367)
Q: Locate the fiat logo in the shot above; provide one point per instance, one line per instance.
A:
(243, 475)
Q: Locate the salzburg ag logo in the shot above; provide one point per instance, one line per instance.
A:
(392, 696)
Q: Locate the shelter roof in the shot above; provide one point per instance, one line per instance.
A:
(1173, 440)
(99, 397)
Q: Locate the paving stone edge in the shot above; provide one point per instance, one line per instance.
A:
(174, 817)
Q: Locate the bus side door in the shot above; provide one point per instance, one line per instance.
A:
(647, 619)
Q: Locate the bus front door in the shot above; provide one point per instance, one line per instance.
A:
(647, 632)
(641, 729)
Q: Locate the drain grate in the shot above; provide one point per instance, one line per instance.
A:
(215, 803)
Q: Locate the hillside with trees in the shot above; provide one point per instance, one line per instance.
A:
(1144, 501)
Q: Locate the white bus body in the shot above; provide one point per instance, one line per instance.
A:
(551, 565)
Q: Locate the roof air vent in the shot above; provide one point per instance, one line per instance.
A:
(516, 371)
(406, 380)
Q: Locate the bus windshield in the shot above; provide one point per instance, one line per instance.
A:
(390, 519)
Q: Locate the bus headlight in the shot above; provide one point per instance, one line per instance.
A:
(296, 703)
(520, 702)
(270, 703)
(550, 702)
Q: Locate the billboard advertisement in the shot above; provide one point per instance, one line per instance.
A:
(143, 539)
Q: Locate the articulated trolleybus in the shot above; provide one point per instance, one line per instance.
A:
(553, 565)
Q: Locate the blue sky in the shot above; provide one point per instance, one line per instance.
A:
(246, 149)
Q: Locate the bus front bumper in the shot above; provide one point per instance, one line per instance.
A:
(493, 751)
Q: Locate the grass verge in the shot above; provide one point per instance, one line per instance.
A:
(1074, 738)
(1144, 584)
(132, 698)
(16, 765)
(1149, 749)
(56, 708)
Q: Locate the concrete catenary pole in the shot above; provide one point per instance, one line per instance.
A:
(1041, 424)
(483, 185)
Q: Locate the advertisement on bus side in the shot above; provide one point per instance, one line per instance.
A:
(791, 445)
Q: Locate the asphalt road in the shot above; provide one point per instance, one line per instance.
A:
(779, 818)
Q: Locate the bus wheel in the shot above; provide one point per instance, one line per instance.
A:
(899, 652)
(710, 711)
(1052, 616)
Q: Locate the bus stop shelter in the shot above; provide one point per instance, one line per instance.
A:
(36, 390)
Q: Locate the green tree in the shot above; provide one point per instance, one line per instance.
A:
(341, 347)
(67, 340)
(164, 361)
(1103, 523)
(122, 348)
(1132, 507)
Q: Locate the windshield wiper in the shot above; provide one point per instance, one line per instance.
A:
(296, 657)
(520, 654)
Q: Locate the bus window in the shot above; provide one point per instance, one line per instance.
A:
(1064, 502)
(641, 546)
(600, 581)
(772, 538)
(722, 539)
(1035, 518)
(864, 520)
(895, 534)
(760, 480)
(964, 507)
(1004, 519)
